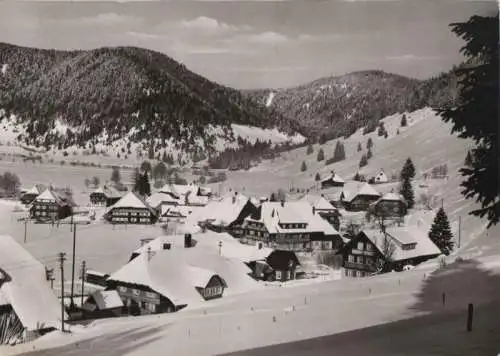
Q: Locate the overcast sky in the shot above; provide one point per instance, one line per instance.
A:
(257, 44)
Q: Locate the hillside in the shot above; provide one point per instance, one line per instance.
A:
(85, 98)
(336, 106)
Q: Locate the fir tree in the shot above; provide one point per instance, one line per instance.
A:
(406, 190)
(321, 155)
(386, 134)
(476, 116)
(273, 197)
(369, 143)
(356, 177)
(151, 151)
(408, 170)
(369, 154)
(339, 153)
(403, 121)
(317, 177)
(310, 149)
(147, 186)
(322, 139)
(146, 166)
(440, 232)
(359, 147)
(363, 162)
(136, 178)
(381, 129)
(303, 167)
(468, 159)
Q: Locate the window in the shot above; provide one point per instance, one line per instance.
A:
(368, 260)
(278, 275)
(359, 274)
(369, 247)
(359, 259)
(360, 246)
(350, 258)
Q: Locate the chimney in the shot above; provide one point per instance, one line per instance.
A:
(282, 203)
(187, 240)
(314, 210)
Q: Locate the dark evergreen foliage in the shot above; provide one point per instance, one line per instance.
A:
(310, 149)
(468, 159)
(303, 166)
(363, 162)
(369, 143)
(10, 182)
(321, 155)
(317, 177)
(440, 232)
(369, 154)
(476, 116)
(406, 190)
(408, 170)
(159, 171)
(136, 178)
(381, 129)
(359, 147)
(146, 166)
(115, 175)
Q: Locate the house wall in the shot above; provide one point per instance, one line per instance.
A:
(49, 211)
(255, 232)
(390, 208)
(28, 198)
(360, 258)
(141, 300)
(213, 290)
(361, 203)
(131, 216)
(98, 198)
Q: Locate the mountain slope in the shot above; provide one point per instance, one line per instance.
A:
(109, 92)
(340, 105)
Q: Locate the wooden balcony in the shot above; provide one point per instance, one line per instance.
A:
(359, 266)
(355, 251)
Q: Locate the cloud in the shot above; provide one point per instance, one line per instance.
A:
(203, 23)
(267, 38)
(108, 19)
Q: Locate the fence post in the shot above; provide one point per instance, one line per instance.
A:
(444, 298)
(470, 314)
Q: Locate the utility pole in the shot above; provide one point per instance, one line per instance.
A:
(459, 229)
(72, 305)
(62, 258)
(220, 248)
(83, 278)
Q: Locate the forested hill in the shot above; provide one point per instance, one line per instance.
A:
(342, 104)
(109, 92)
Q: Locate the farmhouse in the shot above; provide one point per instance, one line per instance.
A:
(380, 177)
(283, 265)
(131, 210)
(289, 226)
(28, 196)
(361, 200)
(105, 196)
(225, 215)
(333, 180)
(374, 251)
(28, 306)
(155, 283)
(51, 206)
(389, 205)
(324, 208)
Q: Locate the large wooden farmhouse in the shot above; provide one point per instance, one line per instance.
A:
(28, 306)
(51, 206)
(155, 283)
(293, 226)
(333, 180)
(390, 205)
(325, 209)
(361, 199)
(375, 251)
(131, 210)
(105, 196)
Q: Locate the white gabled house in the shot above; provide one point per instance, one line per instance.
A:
(131, 209)
(381, 177)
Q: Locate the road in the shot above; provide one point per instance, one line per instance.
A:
(436, 334)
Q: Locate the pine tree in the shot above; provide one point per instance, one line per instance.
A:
(356, 177)
(151, 151)
(317, 177)
(321, 155)
(403, 121)
(476, 116)
(303, 167)
(440, 232)
(406, 190)
(468, 159)
(136, 178)
(273, 197)
(369, 154)
(146, 166)
(381, 129)
(359, 147)
(386, 134)
(322, 139)
(310, 149)
(115, 175)
(408, 170)
(369, 143)
(339, 153)
(147, 186)
(363, 162)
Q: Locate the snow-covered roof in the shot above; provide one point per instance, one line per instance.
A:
(220, 212)
(158, 198)
(231, 247)
(131, 200)
(406, 235)
(318, 202)
(199, 277)
(193, 199)
(179, 189)
(26, 288)
(367, 189)
(107, 299)
(48, 195)
(392, 197)
(334, 177)
(295, 212)
(35, 190)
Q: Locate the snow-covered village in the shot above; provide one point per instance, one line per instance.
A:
(147, 210)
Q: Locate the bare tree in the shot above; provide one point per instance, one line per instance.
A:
(388, 248)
